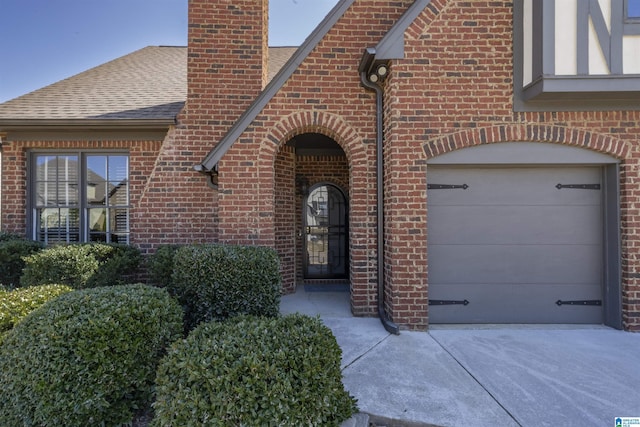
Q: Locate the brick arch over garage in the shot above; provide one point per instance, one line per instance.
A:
(526, 132)
(607, 144)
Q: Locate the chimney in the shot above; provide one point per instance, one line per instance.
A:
(227, 58)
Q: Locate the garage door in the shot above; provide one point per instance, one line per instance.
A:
(515, 244)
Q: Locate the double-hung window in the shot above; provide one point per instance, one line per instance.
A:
(80, 197)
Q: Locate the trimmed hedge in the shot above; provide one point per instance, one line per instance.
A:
(87, 358)
(253, 372)
(84, 265)
(160, 264)
(15, 305)
(12, 250)
(215, 282)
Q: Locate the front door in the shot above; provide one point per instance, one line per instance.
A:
(325, 233)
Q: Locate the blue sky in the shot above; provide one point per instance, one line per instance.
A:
(44, 41)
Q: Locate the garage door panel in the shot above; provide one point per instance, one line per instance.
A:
(513, 244)
(514, 186)
(509, 303)
(477, 264)
(514, 224)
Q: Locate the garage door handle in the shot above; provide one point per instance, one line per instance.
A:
(447, 302)
(579, 186)
(446, 186)
(582, 302)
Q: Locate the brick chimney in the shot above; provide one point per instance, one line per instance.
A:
(227, 57)
(227, 65)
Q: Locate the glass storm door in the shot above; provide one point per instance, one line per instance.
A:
(325, 236)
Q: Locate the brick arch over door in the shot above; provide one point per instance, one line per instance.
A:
(359, 188)
(320, 122)
(527, 132)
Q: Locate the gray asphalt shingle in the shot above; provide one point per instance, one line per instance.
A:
(150, 83)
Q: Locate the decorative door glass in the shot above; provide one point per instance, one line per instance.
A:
(326, 231)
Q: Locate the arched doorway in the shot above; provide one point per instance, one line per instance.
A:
(325, 235)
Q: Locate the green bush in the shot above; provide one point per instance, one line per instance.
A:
(16, 304)
(86, 265)
(87, 358)
(12, 250)
(253, 372)
(160, 264)
(4, 236)
(214, 282)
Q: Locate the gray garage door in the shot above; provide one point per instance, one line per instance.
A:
(515, 244)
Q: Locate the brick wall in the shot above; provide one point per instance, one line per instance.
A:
(142, 156)
(285, 215)
(226, 72)
(323, 96)
(454, 90)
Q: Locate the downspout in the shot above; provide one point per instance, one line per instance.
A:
(391, 327)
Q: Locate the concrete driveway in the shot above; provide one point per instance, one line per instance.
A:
(485, 375)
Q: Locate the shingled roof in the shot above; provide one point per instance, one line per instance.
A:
(148, 84)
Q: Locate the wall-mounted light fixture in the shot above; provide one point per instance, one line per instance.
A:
(302, 184)
(378, 72)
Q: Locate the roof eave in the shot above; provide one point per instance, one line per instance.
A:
(274, 86)
(58, 124)
(392, 44)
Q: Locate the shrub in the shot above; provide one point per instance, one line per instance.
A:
(254, 372)
(214, 282)
(86, 358)
(160, 264)
(12, 250)
(86, 265)
(17, 304)
(4, 236)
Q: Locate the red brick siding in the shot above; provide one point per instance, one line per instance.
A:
(324, 95)
(285, 216)
(176, 204)
(142, 156)
(454, 90)
(226, 72)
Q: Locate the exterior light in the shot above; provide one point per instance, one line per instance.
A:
(373, 78)
(382, 70)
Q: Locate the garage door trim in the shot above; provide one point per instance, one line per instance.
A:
(531, 153)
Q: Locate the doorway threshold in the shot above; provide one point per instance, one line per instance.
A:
(326, 285)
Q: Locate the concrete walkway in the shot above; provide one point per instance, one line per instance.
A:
(484, 375)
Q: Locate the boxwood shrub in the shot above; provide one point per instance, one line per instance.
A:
(16, 304)
(87, 358)
(12, 250)
(160, 264)
(84, 265)
(215, 282)
(253, 372)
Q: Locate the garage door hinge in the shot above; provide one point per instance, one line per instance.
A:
(580, 186)
(446, 186)
(447, 302)
(583, 302)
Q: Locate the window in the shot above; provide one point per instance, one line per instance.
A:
(80, 197)
(632, 17)
(632, 10)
